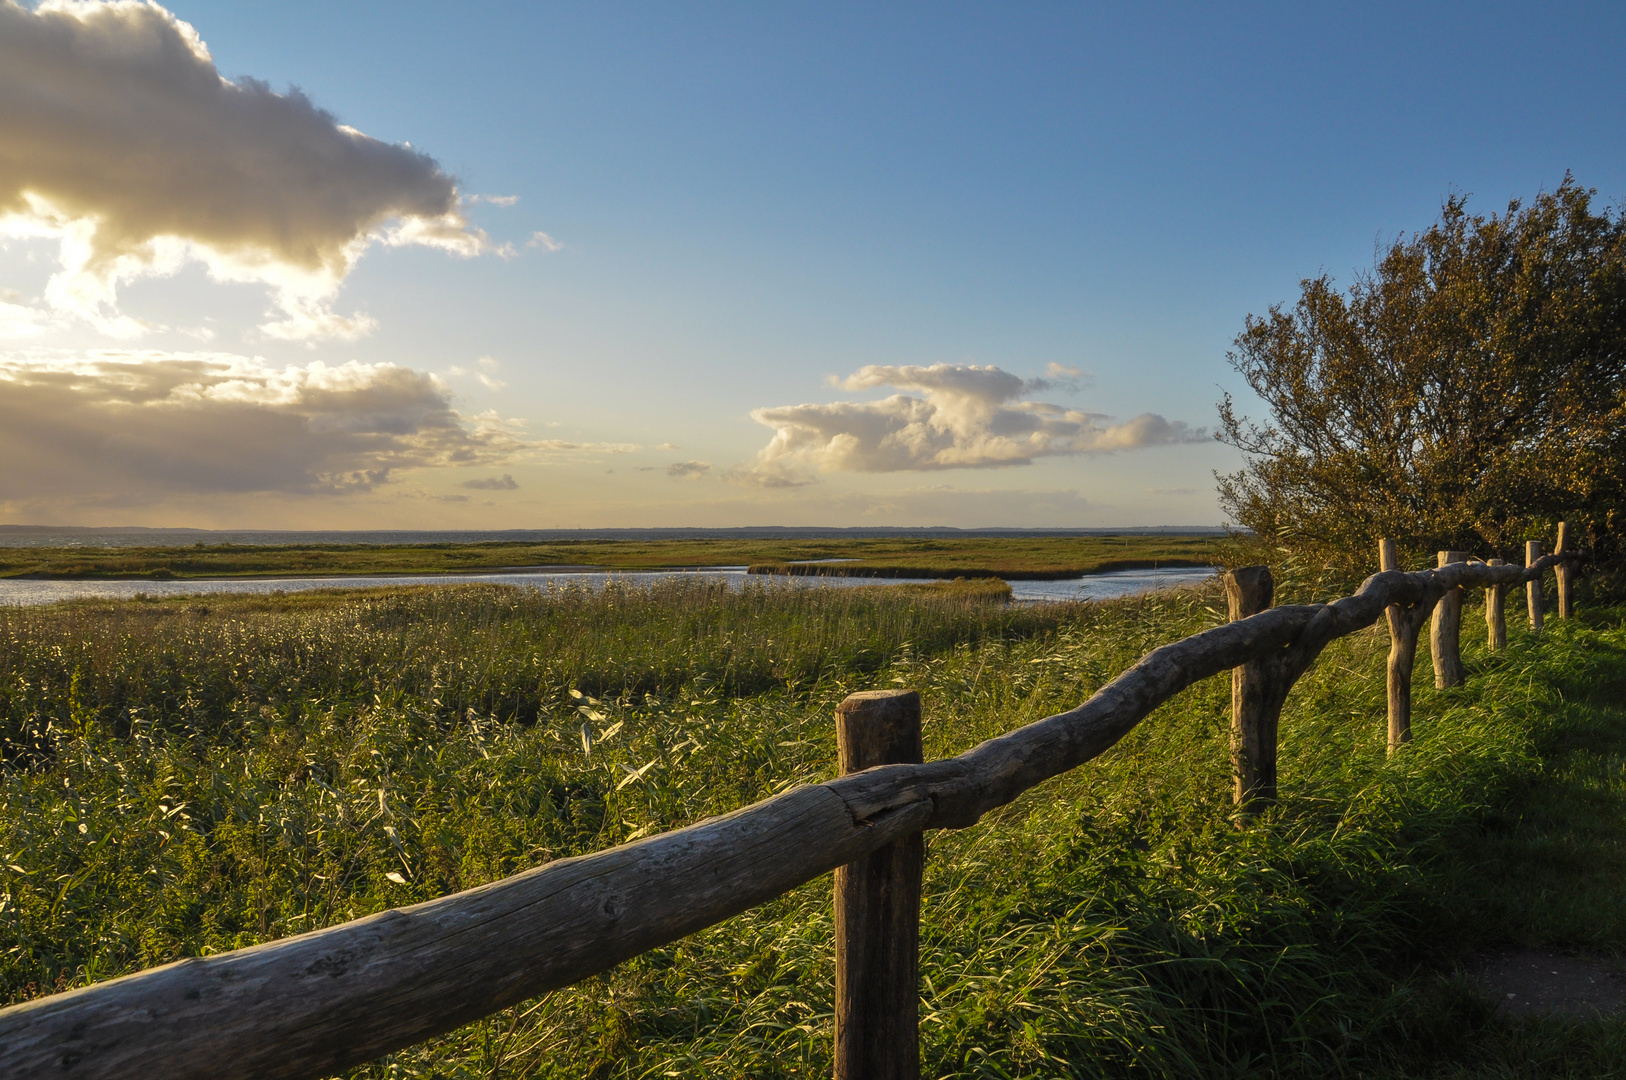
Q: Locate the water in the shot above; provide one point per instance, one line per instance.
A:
(26, 592)
(1111, 585)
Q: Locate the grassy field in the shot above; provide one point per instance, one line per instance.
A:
(188, 777)
(1021, 557)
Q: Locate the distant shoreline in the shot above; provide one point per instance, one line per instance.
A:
(808, 569)
(930, 556)
(562, 568)
(761, 570)
(99, 536)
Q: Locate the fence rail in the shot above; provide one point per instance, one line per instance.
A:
(315, 1004)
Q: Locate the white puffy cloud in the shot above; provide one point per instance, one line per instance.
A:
(130, 426)
(120, 141)
(961, 417)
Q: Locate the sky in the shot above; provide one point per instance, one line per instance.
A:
(411, 265)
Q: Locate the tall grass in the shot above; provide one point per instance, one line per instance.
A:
(190, 777)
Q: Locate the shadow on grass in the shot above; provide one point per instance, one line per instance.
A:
(1546, 870)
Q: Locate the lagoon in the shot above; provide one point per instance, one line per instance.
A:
(27, 592)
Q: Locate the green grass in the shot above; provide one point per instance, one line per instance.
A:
(1545, 868)
(1027, 556)
(193, 776)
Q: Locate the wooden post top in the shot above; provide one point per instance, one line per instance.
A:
(1563, 545)
(867, 700)
(1452, 556)
(878, 727)
(1532, 551)
(1249, 590)
(1388, 555)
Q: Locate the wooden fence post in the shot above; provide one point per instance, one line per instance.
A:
(878, 907)
(1532, 588)
(1445, 631)
(1562, 572)
(1404, 623)
(1256, 708)
(1495, 615)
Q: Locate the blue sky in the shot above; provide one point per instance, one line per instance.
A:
(753, 203)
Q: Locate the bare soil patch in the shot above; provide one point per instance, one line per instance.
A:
(1529, 982)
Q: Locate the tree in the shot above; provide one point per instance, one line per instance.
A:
(1469, 391)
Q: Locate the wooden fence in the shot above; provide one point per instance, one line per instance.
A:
(313, 1005)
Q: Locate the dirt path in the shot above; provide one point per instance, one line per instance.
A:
(1528, 982)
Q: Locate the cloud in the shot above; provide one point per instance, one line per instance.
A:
(504, 482)
(120, 141)
(1060, 378)
(22, 320)
(964, 417)
(486, 375)
(563, 447)
(770, 471)
(129, 426)
(494, 200)
(688, 470)
(543, 240)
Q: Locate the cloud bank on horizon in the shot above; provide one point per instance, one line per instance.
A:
(122, 427)
(963, 416)
(121, 141)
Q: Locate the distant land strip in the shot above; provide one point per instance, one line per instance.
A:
(1012, 557)
(79, 536)
(1007, 574)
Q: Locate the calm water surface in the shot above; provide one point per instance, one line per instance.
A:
(15, 592)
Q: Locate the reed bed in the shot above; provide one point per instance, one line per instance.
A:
(187, 777)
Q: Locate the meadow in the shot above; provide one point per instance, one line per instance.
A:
(187, 777)
(903, 556)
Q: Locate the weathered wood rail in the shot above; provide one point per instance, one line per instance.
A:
(315, 1004)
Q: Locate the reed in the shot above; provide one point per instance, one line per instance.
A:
(184, 778)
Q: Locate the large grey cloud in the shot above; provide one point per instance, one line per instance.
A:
(961, 417)
(121, 140)
(132, 426)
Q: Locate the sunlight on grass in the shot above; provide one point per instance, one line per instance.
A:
(189, 777)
